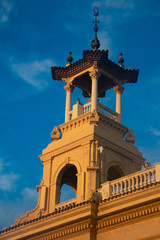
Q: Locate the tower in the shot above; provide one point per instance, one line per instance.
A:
(92, 146)
(95, 154)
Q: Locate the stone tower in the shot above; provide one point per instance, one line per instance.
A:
(93, 153)
(92, 146)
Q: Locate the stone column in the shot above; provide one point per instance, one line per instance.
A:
(69, 89)
(119, 90)
(94, 74)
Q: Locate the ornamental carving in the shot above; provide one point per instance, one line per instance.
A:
(55, 134)
(69, 87)
(94, 117)
(95, 74)
(130, 137)
(119, 89)
(95, 196)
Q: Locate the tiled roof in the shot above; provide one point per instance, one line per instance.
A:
(122, 74)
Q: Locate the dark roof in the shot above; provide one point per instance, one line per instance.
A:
(84, 82)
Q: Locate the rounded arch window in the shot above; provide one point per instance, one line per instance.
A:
(66, 184)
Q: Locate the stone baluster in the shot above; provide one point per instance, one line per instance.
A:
(149, 177)
(121, 187)
(153, 176)
(145, 179)
(141, 180)
(129, 184)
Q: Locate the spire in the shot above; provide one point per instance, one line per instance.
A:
(69, 59)
(95, 44)
(121, 60)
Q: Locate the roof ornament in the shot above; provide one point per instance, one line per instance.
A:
(69, 59)
(95, 44)
(121, 60)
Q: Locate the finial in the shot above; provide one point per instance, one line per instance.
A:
(69, 59)
(95, 44)
(121, 60)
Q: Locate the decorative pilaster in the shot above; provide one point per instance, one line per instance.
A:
(94, 74)
(69, 89)
(119, 90)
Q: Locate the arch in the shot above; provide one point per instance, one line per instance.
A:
(114, 172)
(115, 169)
(62, 165)
(67, 175)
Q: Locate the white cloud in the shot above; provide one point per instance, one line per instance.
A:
(29, 193)
(35, 73)
(154, 131)
(8, 181)
(10, 210)
(3, 164)
(105, 41)
(5, 9)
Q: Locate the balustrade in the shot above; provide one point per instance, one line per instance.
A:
(133, 181)
(100, 108)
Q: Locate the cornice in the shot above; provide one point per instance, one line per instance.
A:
(85, 119)
(67, 231)
(128, 217)
(129, 200)
(75, 123)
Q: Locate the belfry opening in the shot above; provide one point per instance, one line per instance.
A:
(67, 176)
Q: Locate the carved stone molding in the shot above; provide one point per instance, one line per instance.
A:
(94, 118)
(130, 137)
(95, 74)
(55, 134)
(74, 123)
(129, 216)
(119, 89)
(64, 232)
(69, 87)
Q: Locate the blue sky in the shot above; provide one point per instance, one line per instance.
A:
(34, 35)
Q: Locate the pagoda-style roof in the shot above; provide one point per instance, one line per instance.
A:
(111, 73)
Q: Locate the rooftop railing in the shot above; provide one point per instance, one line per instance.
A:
(82, 109)
(131, 182)
(107, 111)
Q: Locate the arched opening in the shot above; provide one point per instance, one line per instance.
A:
(66, 184)
(66, 193)
(114, 173)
